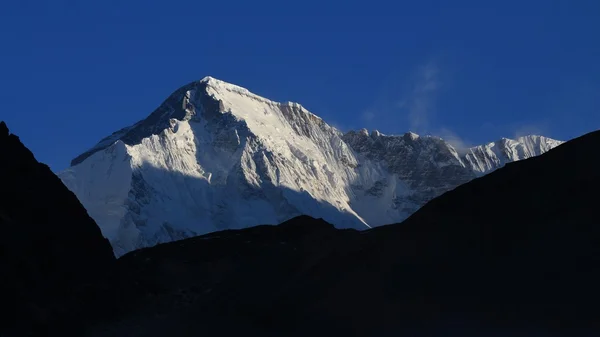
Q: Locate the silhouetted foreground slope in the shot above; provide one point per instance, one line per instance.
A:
(521, 245)
(514, 253)
(49, 246)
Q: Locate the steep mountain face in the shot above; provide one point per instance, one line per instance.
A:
(225, 159)
(398, 174)
(402, 173)
(486, 158)
(459, 266)
(49, 245)
(215, 156)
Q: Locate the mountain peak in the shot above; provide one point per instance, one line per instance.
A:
(214, 155)
(209, 80)
(206, 79)
(488, 157)
(411, 135)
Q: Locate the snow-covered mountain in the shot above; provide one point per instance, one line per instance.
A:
(486, 158)
(215, 156)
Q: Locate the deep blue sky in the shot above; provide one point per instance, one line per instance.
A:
(74, 71)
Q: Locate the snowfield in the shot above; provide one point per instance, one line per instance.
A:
(215, 156)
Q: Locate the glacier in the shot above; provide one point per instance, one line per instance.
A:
(215, 156)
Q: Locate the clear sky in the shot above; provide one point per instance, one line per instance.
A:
(74, 71)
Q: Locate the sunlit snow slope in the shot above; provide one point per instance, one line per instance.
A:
(215, 156)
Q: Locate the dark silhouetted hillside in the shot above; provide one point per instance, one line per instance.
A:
(49, 246)
(513, 253)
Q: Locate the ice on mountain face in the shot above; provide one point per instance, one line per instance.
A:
(215, 156)
(486, 158)
(225, 159)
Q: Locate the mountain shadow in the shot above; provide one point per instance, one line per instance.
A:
(154, 214)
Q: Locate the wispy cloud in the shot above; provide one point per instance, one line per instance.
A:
(420, 101)
(368, 115)
(420, 104)
(407, 99)
(411, 101)
(454, 139)
(530, 129)
(340, 127)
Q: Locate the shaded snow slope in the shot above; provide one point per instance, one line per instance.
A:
(215, 156)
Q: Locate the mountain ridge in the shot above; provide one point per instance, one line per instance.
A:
(214, 153)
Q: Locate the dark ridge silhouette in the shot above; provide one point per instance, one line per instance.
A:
(514, 253)
(49, 245)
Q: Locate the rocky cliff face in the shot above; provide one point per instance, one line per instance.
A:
(49, 245)
(215, 156)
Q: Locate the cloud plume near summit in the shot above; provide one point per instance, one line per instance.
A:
(420, 102)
